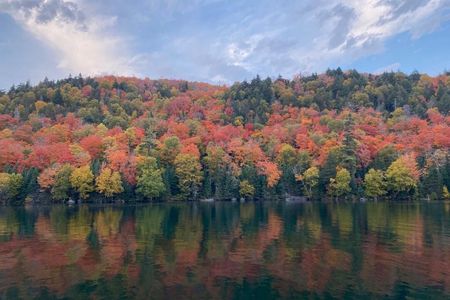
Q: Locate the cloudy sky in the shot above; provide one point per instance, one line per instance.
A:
(219, 40)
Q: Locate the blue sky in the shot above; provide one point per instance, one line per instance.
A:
(219, 41)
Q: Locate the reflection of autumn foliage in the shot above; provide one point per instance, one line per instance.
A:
(67, 257)
(313, 249)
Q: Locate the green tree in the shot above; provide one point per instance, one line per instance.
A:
(246, 189)
(445, 193)
(10, 186)
(432, 183)
(384, 158)
(167, 153)
(360, 99)
(401, 177)
(374, 184)
(287, 161)
(82, 180)
(149, 180)
(62, 186)
(340, 185)
(109, 183)
(310, 179)
(220, 180)
(189, 173)
(349, 148)
(169, 150)
(15, 184)
(328, 170)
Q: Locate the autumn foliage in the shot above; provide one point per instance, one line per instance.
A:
(314, 135)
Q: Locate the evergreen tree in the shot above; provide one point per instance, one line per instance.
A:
(384, 158)
(349, 148)
(328, 170)
(432, 184)
(58, 98)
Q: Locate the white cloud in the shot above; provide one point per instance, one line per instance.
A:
(221, 40)
(375, 21)
(81, 43)
(312, 38)
(371, 23)
(381, 19)
(389, 68)
(238, 53)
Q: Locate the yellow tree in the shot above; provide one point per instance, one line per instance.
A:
(445, 193)
(39, 105)
(82, 180)
(109, 183)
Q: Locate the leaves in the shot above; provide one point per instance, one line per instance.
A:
(82, 180)
(402, 175)
(149, 180)
(310, 179)
(188, 171)
(61, 186)
(92, 144)
(271, 171)
(10, 185)
(246, 189)
(374, 183)
(340, 185)
(285, 136)
(109, 183)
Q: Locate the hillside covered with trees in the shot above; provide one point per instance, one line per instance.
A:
(334, 135)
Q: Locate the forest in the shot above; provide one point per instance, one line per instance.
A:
(339, 135)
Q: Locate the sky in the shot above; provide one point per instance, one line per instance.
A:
(219, 41)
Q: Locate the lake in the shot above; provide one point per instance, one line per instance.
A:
(226, 251)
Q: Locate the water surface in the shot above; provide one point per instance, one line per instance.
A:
(226, 251)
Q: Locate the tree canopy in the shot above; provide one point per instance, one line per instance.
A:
(168, 139)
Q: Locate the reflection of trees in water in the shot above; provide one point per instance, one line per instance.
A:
(226, 250)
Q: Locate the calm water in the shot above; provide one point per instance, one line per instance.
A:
(226, 251)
